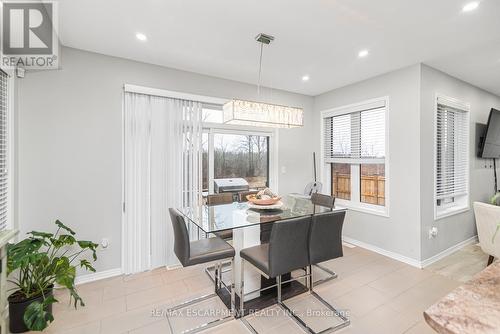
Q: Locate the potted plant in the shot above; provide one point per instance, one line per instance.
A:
(36, 264)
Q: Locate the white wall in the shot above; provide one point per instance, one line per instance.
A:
(69, 141)
(399, 233)
(412, 94)
(460, 227)
(69, 148)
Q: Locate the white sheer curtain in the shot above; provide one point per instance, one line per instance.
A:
(163, 146)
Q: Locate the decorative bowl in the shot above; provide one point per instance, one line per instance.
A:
(259, 201)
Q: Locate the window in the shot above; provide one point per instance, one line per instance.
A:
(355, 154)
(4, 117)
(341, 185)
(244, 156)
(231, 151)
(212, 113)
(236, 154)
(451, 157)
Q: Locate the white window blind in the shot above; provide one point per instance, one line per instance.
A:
(354, 155)
(452, 153)
(357, 134)
(4, 94)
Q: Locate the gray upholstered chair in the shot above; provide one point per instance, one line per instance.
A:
(201, 251)
(277, 257)
(216, 199)
(325, 243)
(323, 200)
(325, 240)
(327, 202)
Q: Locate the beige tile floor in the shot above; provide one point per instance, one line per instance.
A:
(461, 265)
(379, 294)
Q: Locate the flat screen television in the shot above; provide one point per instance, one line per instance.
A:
(490, 147)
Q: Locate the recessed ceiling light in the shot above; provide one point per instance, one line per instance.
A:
(141, 37)
(305, 78)
(363, 53)
(470, 6)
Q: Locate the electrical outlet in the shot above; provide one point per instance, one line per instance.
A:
(433, 232)
(104, 243)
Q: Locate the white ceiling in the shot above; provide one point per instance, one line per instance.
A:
(320, 38)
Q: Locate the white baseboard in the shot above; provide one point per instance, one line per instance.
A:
(448, 251)
(98, 276)
(408, 260)
(174, 266)
(376, 249)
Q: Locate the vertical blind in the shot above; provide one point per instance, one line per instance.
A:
(3, 148)
(357, 134)
(452, 157)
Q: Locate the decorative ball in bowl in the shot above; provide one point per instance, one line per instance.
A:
(263, 199)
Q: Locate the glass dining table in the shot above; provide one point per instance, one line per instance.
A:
(250, 226)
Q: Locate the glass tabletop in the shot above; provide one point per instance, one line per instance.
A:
(217, 218)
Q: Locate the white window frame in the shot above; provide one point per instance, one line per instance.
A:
(463, 205)
(355, 203)
(213, 128)
(10, 126)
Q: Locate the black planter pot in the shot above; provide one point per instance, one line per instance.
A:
(17, 307)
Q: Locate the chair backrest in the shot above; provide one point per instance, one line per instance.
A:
(223, 198)
(325, 236)
(323, 200)
(182, 247)
(487, 220)
(242, 196)
(288, 245)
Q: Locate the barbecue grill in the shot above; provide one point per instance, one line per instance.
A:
(231, 185)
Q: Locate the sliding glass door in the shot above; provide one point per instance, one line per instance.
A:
(237, 154)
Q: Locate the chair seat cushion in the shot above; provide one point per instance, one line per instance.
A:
(210, 249)
(257, 256)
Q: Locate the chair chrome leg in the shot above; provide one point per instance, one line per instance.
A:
(310, 279)
(208, 271)
(201, 327)
(233, 287)
(278, 282)
(219, 275)
(192, 301)
(242, 284)
(296, 319)
(345, 321)
(213, 323)
(332, 275)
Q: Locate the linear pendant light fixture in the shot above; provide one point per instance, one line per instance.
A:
(244, 112)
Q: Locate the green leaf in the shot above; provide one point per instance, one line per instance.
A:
(64, 227)
(65, 273)
(86, 264)
(90, 246)
(23, 254)
(63, 240)
(35, 317)
(42, 235)
(74, 295)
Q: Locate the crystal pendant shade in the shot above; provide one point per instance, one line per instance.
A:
(241, 112)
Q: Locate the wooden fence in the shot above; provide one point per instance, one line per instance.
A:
(372, 188)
